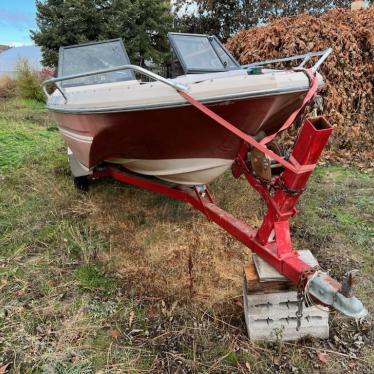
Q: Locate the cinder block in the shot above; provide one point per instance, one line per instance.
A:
(272, 315)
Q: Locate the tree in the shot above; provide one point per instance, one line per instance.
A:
(225, 17)
(143, 25)
(221, 18)
(268, 10)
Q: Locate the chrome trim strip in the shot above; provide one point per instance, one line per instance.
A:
(235, 97)
(77, 137)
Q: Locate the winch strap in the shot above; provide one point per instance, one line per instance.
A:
(298, 169)
(310, 94)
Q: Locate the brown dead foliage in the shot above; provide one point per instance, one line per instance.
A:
(7, 87)
(348, 72)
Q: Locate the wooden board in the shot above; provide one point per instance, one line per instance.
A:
(260, 277)
(254, 285)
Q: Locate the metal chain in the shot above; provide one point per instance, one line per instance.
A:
(290, 191)
(301, 301)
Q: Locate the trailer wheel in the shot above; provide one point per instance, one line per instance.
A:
(81, 183)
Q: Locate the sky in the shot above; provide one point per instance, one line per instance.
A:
(17, 17)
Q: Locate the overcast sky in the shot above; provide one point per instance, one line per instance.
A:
(17, 17)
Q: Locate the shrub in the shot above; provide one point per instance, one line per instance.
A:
(348, 72)
(28, 82)
(7, 87)
(46, 73)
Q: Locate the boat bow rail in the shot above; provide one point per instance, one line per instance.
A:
(305, 58)
(177, 86)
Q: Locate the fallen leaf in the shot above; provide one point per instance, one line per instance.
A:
(239, 303)
(323, 357)
(115, 334)
(3, 368)
(153, 310)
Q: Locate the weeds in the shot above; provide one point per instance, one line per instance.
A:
(28, 82)
(90, 278)
(7, 87)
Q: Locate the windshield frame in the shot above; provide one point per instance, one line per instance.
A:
(209, 38)
(63, 48)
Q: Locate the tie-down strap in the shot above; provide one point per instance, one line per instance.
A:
(297, 169)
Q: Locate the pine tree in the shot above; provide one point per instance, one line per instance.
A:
(143, 25)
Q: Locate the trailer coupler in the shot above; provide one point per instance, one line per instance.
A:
(330, 292)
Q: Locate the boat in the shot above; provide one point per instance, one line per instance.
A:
(107, 113)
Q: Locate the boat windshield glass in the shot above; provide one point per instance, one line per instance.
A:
(89, 57)
(201, 53)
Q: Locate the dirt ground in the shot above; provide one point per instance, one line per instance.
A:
(123, 280)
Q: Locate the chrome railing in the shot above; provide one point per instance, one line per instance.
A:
(305, 58)
(56, 81)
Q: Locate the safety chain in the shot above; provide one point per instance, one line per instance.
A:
(301, 294)
(290, 191)
(300, 303)
(278, 184)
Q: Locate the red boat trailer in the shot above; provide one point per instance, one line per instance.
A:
(272, 241)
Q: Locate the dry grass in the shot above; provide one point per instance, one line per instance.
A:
(122, 280)
(7, 87)
(165, 249)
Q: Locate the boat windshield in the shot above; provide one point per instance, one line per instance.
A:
(201, 53)
(84, 58)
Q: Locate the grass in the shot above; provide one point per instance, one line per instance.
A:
(122, 280)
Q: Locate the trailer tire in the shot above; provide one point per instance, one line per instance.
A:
(81, 183)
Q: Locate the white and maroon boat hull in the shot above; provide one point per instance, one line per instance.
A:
(156, 132)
